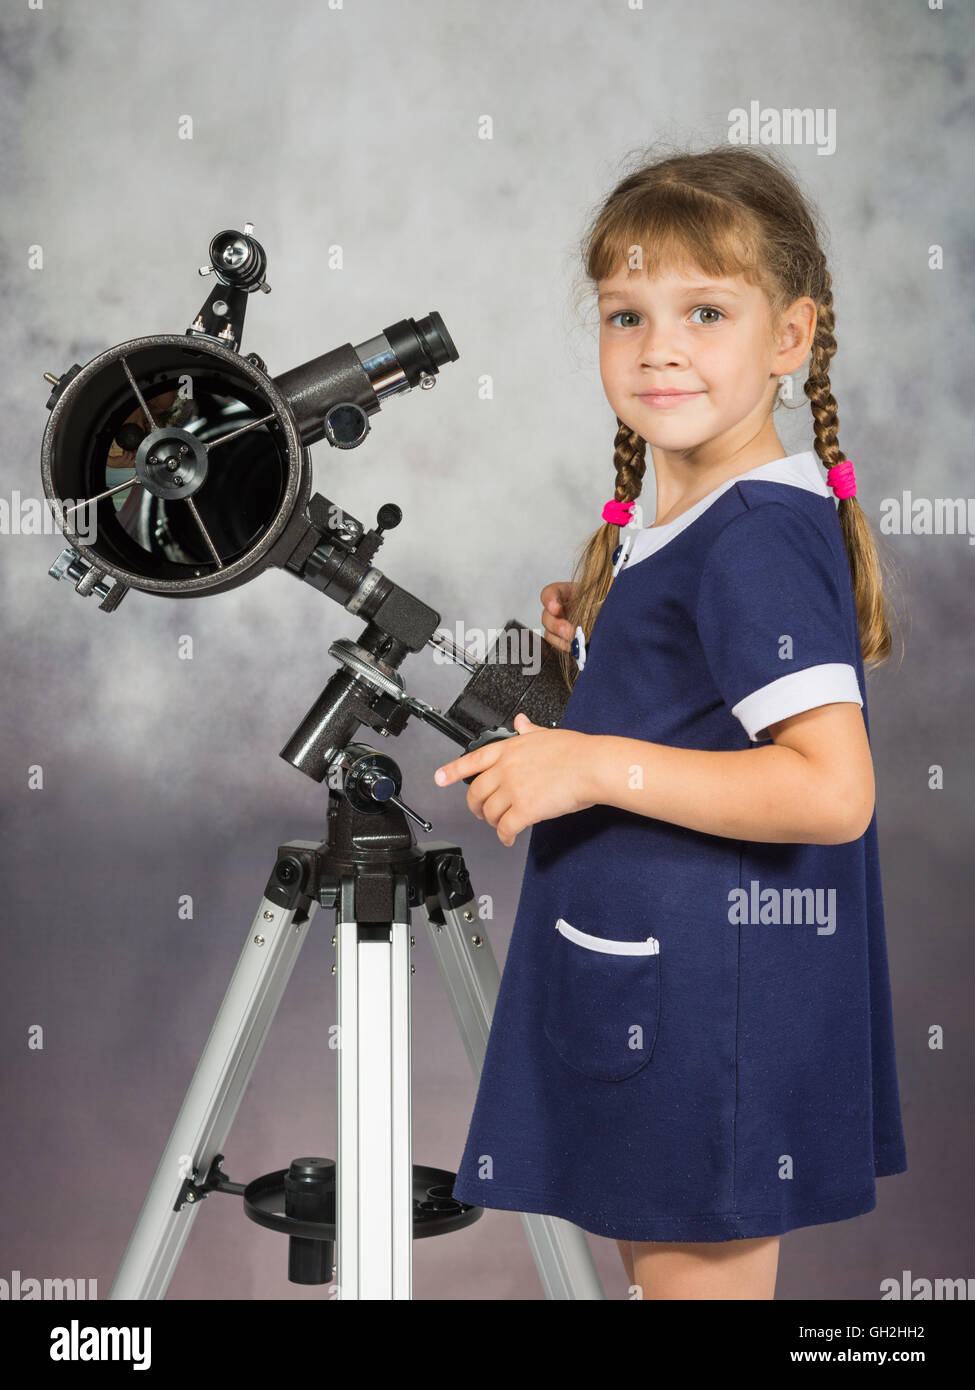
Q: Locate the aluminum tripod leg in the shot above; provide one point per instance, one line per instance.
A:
(210, 1104)
(471, 977)
(374, 1174)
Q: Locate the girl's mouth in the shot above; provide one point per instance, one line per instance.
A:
(668, 398)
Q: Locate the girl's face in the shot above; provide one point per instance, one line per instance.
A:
(710, 339)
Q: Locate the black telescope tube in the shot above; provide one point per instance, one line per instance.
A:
(392, 362)
(312, 389)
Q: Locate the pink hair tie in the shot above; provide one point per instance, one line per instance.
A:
(618, 513)
(841, 479)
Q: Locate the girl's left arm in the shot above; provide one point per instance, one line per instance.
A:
(813, 784)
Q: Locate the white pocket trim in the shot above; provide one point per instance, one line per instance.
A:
(650, 947)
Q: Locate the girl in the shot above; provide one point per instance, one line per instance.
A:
(692, 1050)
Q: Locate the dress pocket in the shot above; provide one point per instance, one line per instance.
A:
(603, 1002)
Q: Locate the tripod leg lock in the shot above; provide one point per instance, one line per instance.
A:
(294, 878)
(215, 1181)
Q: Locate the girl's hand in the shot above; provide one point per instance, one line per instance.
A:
(537, 776)
(556, 598)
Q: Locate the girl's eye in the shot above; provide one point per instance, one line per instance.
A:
(709, 309)
(702, 308)
(619, 313)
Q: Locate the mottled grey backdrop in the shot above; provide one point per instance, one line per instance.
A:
(358, 126)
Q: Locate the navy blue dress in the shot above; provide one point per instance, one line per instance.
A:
(693, 1037)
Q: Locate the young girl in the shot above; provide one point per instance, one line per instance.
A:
(692, 1050)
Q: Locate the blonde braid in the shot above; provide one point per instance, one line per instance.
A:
(594, 571)
(630, 462)
(864, 562)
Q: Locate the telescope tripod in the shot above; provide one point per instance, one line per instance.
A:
(373, 1202)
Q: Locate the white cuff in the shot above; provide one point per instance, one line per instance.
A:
(834, 682)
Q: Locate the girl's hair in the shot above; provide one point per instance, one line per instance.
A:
(726, 211)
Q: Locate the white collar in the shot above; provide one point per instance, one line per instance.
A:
(797, 470)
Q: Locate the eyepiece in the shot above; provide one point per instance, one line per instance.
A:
(433, 333)
(421, 346)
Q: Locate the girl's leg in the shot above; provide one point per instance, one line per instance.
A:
(729, 1269)
(626, 1254)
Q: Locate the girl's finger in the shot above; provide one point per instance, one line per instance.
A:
(451, 772)
(469, 765)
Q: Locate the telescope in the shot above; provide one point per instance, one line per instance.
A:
(178, 466)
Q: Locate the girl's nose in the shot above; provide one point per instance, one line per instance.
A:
(658, 351)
